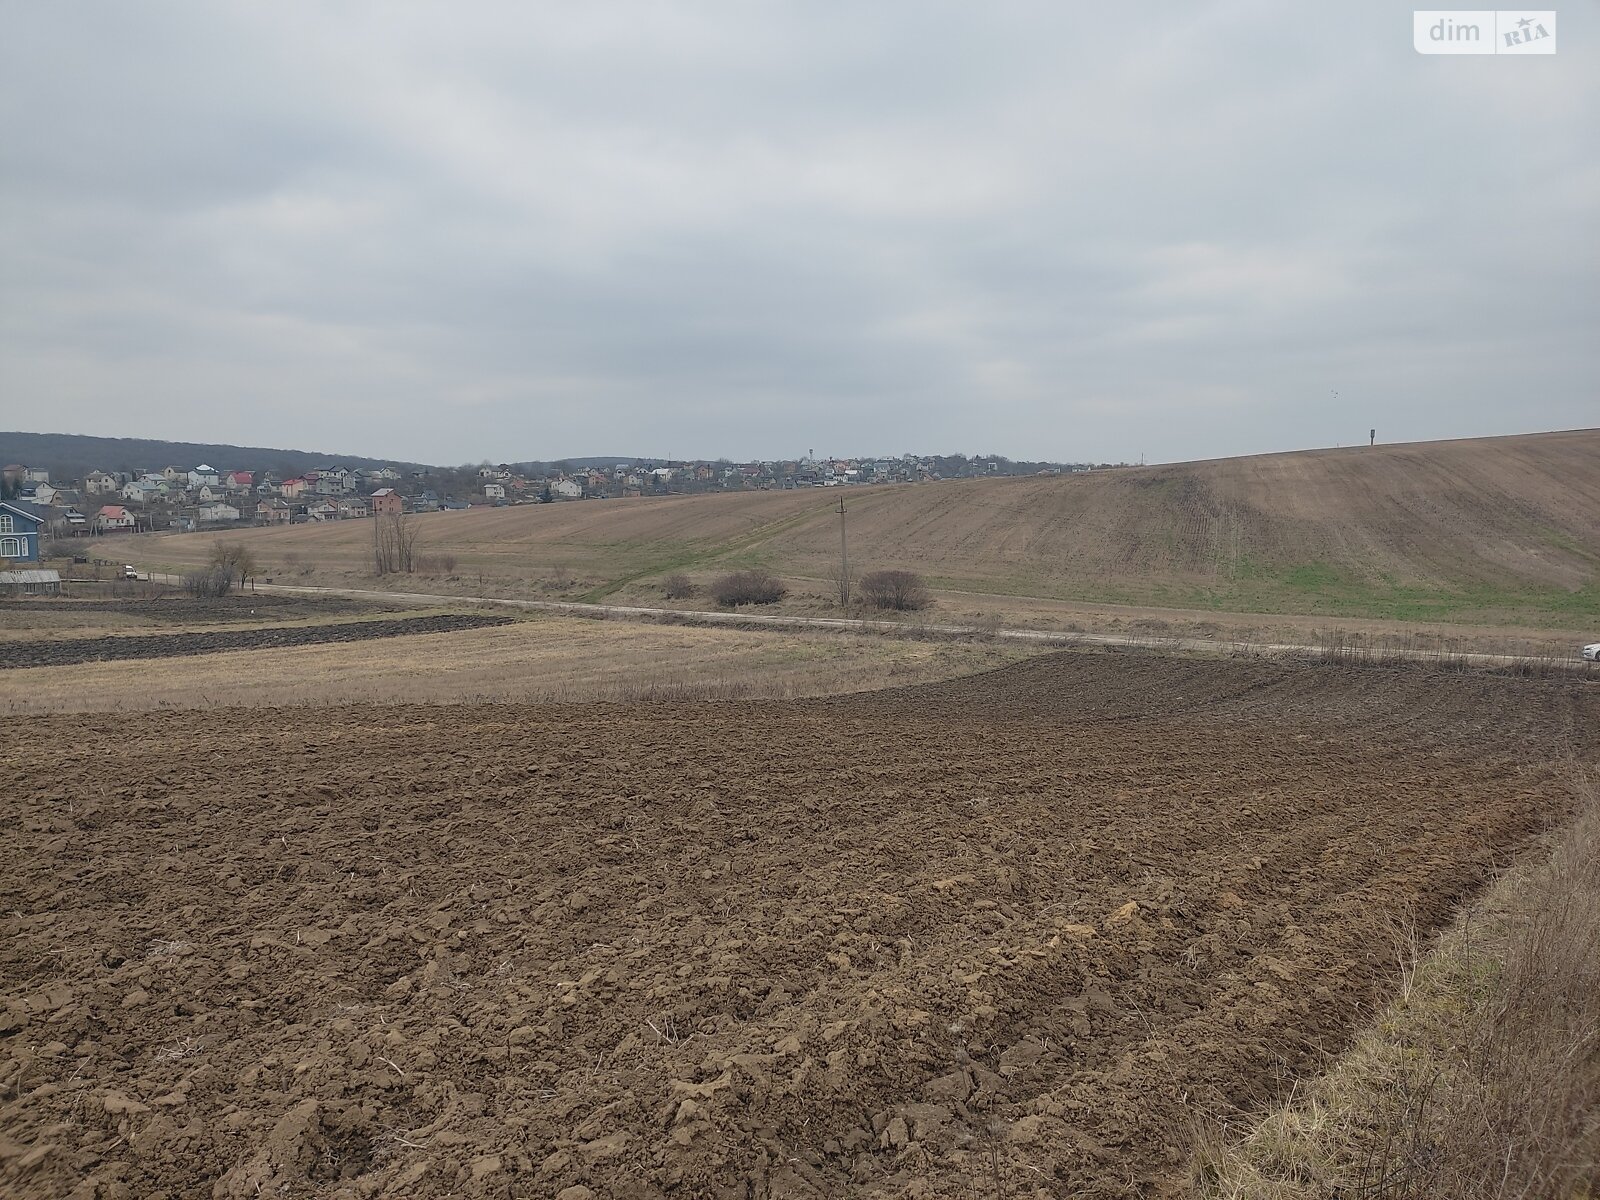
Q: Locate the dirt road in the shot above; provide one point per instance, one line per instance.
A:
(756, 620)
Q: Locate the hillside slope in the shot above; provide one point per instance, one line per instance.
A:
(73, 455)
(1495, 528)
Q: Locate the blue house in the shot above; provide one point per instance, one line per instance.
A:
(19, 531)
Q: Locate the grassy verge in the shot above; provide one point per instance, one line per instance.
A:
(1480, 1080)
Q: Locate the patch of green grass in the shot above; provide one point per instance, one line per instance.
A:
(652, 559)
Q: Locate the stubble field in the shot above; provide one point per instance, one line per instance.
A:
(1493, 533)
(999, 936)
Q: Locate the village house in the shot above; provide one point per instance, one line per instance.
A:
(98, 483)
(139, 491)
(323, 510)
(19, 531)
(239, 481)
(113, 518)
(494, 491)
(331, 481)
(45, 494)
(353, 509)
(273, 512)
(30, 582)
(567, 489)
(217, 512)
(293, 488)
(388, 502)
(203, 475)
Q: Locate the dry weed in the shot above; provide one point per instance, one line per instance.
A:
(1480, 1081)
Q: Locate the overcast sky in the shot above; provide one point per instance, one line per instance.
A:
(450, 232)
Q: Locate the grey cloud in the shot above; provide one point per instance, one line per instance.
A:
(541, 230)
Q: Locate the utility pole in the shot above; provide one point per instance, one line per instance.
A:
(844, 561)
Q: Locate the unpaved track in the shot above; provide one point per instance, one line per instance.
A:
(1032, 636)
(1002, 936)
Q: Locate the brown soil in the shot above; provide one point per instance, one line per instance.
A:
(997, 937)
(56, 652)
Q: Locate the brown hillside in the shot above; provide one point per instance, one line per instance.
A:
(1495, 525)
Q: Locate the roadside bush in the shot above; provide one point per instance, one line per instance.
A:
(748, 587)
(898, 591)
(677, 586)
(436, 564)
(208, 581)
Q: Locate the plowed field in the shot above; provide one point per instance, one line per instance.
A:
(1004, 936)
(57, 652)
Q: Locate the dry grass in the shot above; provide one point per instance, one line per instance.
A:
(554, 659)
(1496, 531)
(1481, 1081)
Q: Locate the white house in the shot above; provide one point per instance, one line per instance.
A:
(323, 511)
(203, 475)
(112, 517)
(333, 481)
(140, 491)
(98, 483)
(218, 512)
(494, 491)
(567, 489)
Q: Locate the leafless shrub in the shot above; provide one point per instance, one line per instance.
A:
(208, 582)
(894, 591)
(677, 586)
(436, 564)
(755, 586)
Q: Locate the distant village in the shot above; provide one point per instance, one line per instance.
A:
(204, 496)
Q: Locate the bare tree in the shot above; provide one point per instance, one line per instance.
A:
(236, 559)
(394, 544)
(842, 579)
(677, 585)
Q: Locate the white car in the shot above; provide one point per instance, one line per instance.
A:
(1592, 652)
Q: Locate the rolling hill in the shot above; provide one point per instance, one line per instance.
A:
(73, 455)
(1494, 529)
